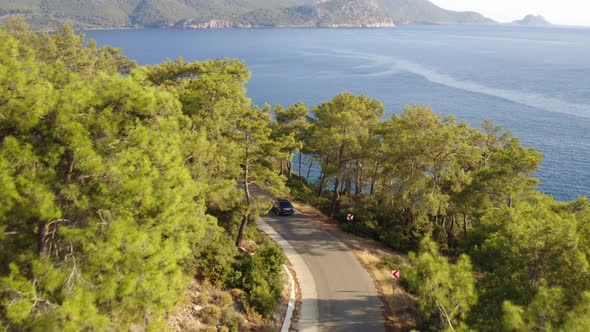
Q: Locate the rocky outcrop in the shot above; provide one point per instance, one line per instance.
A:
(532, 20)
(355, 25)
(211, 24)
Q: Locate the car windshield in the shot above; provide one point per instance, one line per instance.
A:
(285, 204)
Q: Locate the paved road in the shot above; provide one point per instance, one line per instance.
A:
(345, 296)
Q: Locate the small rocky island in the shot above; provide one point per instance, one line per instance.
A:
(533, 20)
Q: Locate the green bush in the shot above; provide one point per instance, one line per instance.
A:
(360, 229)
(298, 189)
(231, 319)
(262, 299)
(398, 240)
(260, 276)
(257, 276)
(211, 315)
(323, 204)
(214, 260)
(363, 225)
(204, 298)
(225, 299)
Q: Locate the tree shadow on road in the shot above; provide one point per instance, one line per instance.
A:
(306, 237)
(356, 313)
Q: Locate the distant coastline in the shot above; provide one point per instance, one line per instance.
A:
(243, 14)
(553, 26)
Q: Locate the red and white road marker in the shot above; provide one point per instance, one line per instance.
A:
(394, 277)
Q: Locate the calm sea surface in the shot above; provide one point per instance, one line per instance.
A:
(533, 81)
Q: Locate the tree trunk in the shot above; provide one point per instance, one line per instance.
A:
(374, 180)
(41, 242)
(289, 168)
(359, 178)
(335, 197)
(348, 187)
(299, 170)
(308, 170)
(246, 218)
(321, 184)
(452, 228)
(465, 225)
(244, 223)
(70, 170)
(242, 230)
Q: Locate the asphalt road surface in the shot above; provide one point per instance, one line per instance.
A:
(346, 296)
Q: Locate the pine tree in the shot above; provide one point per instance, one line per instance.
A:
(100, 215)
(257, 151)
(445, 292)
(292, 126)
(341, 129)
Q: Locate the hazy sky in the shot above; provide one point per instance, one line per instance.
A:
(570, 12)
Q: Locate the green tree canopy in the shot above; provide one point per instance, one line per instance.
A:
(445, 291)
(341, 129)
(533, 253)
(98, 209)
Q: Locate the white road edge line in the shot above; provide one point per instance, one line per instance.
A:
(309, 314)
(291, 307)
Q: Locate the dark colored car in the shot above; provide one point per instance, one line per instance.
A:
(283, 207)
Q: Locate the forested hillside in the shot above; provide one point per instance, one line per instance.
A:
(424, 11)
(240, 13)
(119, 187)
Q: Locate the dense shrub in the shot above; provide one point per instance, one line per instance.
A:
(260, 276)
(231, 319)
(215, 259)
(299, 190)
(398, 240)
(360, 229)
(322, 203)
(257, 276)
(211, 314)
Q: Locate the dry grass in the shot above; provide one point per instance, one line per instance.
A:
(401, 309)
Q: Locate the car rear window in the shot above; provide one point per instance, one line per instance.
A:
(285, 204)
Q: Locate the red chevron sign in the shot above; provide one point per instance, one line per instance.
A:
(395, 274)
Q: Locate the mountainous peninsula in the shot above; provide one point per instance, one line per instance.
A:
(87, 14)
(533, 20)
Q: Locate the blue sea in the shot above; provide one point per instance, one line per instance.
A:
(533, 81)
